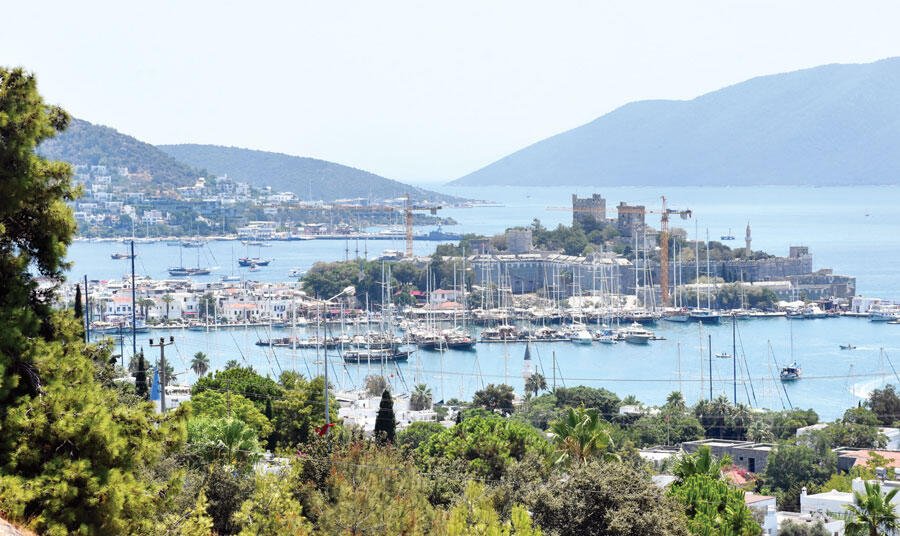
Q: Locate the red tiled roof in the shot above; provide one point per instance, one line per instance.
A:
(862, 456)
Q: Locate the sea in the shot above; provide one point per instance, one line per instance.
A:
(851, 230)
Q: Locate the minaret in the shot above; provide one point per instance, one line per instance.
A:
(527, 371)
(747, 250)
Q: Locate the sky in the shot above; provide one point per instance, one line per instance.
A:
(418, 91)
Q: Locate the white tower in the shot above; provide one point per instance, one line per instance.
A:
(747, 250)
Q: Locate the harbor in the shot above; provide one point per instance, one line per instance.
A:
(260, 316)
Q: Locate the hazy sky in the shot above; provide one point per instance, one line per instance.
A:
(416, 91)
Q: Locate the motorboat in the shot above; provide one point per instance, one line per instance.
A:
(848, 347)
(582, 336)
(884, 313)
(578, 334)
(636, 334)
(121, 256)
(254, 261)
(297, 272)
(605, 336)
(813, 311)
(791, 373)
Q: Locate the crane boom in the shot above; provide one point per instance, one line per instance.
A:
(664, 248)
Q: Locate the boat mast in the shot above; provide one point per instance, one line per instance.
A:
(734, 355)
(708, 295)
(697, 262)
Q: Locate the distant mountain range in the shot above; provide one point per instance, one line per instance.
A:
(309, 178)
(829, 125)
(178, 165)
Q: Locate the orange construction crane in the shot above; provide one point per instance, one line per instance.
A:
(408, 210)
(664, 213)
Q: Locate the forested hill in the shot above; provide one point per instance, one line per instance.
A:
(829, 125)
(86, 143)
(309, 178)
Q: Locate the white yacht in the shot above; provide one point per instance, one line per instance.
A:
(636, 334)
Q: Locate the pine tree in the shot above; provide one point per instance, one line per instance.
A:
(385, 425)
(140, 378)
(79, 309)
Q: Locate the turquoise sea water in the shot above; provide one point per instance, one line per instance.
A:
(855, 231)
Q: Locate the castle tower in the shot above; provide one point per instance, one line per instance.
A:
(747, 250)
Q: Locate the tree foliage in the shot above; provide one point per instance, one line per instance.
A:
(487, 443)
(885, 404)
(497, 398)
(301, 408)
(581, 435)
(608, 498)
(385, 422)
(241, 380)
(714, 507)
(872, 512)
(215, 404)
(70, 448)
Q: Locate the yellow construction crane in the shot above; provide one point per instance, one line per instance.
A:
(408, 210)
(664, 213)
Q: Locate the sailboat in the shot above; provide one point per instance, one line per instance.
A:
(181, 271)
(707, 315)
(793, 371)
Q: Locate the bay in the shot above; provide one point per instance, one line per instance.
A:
(851, 230)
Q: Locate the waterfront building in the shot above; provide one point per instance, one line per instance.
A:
(590, 210)
(518, 241)
(630, 219)
(554, 274)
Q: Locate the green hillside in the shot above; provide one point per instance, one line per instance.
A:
(309, 178)
(86, 143)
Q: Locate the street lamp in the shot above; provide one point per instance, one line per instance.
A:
(349, 291)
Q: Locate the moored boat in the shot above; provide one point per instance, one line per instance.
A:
(791, 372)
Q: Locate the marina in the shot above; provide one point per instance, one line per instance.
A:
(675, 355)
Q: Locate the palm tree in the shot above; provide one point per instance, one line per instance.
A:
(872, 513)
(420, 398)
(145, 304)
(238, 441)
(581, 434)
(167, 299)
(200, 364)
(675, 401)
(535, 384)
(701, 462)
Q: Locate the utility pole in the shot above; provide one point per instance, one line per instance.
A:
(709, 348)
(133, 306)
(87, 312)
(162, 369)
(554, 372)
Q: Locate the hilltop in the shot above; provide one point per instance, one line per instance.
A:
(87, 143)
(308, 178)
(828, 125)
